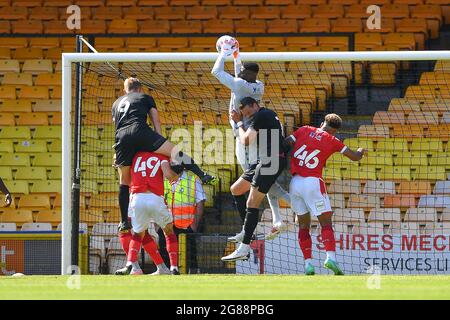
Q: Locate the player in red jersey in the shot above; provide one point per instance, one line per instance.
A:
(312, 147)
(147, 205)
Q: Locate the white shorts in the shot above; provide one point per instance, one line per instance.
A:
(308, 194)
(146, 208)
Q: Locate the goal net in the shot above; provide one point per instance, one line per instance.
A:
(391, 211)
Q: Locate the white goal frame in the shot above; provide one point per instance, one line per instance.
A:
(67, 68)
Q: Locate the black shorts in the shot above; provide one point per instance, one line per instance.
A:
(132, 139)
(262, 176)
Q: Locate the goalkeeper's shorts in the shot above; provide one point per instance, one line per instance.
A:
(132, 139)
(264, 174)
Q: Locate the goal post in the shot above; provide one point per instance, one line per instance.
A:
(146, 59)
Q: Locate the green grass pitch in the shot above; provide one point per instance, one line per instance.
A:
(217, 287)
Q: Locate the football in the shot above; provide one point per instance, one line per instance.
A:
(228, 41)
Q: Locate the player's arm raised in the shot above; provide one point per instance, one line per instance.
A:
(219, 72)
(354, 155)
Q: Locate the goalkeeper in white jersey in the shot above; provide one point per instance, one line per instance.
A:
(244, 84)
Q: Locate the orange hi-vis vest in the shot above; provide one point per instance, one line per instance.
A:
(182, 202)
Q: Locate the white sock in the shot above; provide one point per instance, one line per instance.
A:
(275, 208)
(331, 255)
(129, 263)
(173, 268)
(244, 246)
(308, 262)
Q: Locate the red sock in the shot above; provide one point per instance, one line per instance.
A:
(172, 249)
(135, 247)
(125, 239)
(328, 238)
(151, 248)
(304, 239)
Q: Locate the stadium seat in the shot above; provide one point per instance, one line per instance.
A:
(379, 187)
(6, 173)
(15, 160)
(47, 160)
(37, 66)
(421, 215)
(364, 201)
(17, 187)
(329, 11)
(107, 13)
(31, 173)
(347, 25)
(115, 257)
(7, 119)
(348, 215)
(94, 27)
(218, 26)
(414, 187)
(372, 228)
(373, 131)
(14, 13)
(49, 216)
(123, 26)
(445, 215)
(139, 13)
(433, 16)
(434, 201)
(384, 117)
(384, 215)
(44, 13)
(31, 146)
(7, 92)
(8, 226)
(355, 143)
(32, 119)
(417, 26)
(423, 118)
(396, 145)
(54, 146)
(414, 158)
(427, 145)
(367, 41)
(9, 66)
(170, 13)
(48, 79)
(34, 202)
(400, 201)
(17, 79)
(345, 187)
(27, 27)
(387, 26)
(250, 26)
(394, 173)
(16, 216)
(357, 11)
(15, 133)
(36, 227)
(28, 53)
(404, 41)
(440, 131)
(187, 27)
(299, 12)
(6, 146)
(96, 254)
(104, 229)
(361, 173)
(315, 25)
(5, 53)
(430, 173)
(404, 105)
(49, 186)
(337, 200)
(332, 173)
(265, 12)
(442, 187)
(408, 131)
(282, 26)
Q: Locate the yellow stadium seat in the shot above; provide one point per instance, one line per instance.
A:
(14, 13)
(53, 132)
(282, 26)
(250, 26)
(55, 146)
(6, 173)
(7, 92)
(385, 215)
(15, 133)
(364, 201)
(123, 26)
(34, 202)
(404, 41)
(387, 26)
(32, 173)
(186, 27)
(173, 43)
(440, 131)
(104, 173)
(432, 14)
(108, 13)
(234, 13)
(332, 173)
(31, 146)
(170, 13)
(49, 186)
(7, 119)
(47, 160)
(354, 143)
(404, 105)
(28, 53)
(141, 43)
(6, 146)
(55, 173)
(315, 25)
(16, 160)
(5, 53)
(430, 173)
(9, 66)
(418, 26)
(396, 145)
(265, 12)
(37, 66)
(414, 187)
(345, 187)
(415, 158)
(44, 42)
(52, 216)
(14, 106)
(139, 13)
(17, 216)
(436, 105)
(394, 173)
(155, 26)
(367, 41)
(48, 79)
(104, 200)
(423, 118)
(360, 173)
(92, 217)
(329, 11)
(382, 73)
(5, 27)
(17, 79)
(32, 119)
(378, 159)
(109, 43)
(427, 145)
(17, 186)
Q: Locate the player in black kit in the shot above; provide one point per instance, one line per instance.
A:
(133, 134)
(266, 131)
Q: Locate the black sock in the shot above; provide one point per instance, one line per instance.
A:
(124, 200)
(251, 221)
(241, 205)
(189, 164)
